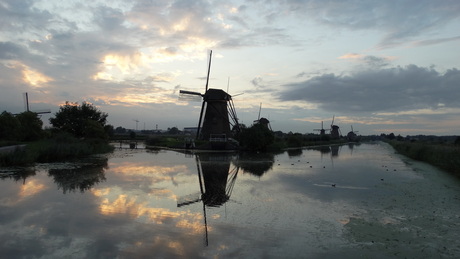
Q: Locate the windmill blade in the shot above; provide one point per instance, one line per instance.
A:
(189, 199)
(203, 106)
(189, 92)
(209, 71)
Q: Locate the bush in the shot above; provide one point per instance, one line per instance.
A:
(256, 138)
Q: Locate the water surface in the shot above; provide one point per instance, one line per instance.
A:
(330, 202)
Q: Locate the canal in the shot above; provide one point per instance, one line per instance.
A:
(350, 201)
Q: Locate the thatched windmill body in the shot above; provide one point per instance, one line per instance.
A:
(335, 130)
(217, 115)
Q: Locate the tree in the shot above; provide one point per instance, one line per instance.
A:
(120, 130)
(31, 126)
(83, 120)
(257, 138)
(173, 131)
(9, 126)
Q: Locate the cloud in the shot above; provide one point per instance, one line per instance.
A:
(400, 21)
(380, 90)
(368, 61)
(435, 41)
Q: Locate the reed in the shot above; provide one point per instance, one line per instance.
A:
(443, 156)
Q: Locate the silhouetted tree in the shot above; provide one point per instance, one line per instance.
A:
(457, 141)
(109, 130)
(9, 126)
(257, 137)
(132, 134)
(31, 126)
(173, 131)
(120, 130)
(80, 120)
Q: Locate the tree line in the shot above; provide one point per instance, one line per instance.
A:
(80, 121)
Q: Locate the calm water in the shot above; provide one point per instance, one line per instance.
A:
(334, 202)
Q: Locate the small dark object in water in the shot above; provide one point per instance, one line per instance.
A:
(324, 167)
(311, 166)
(333, 185)
(381, 179)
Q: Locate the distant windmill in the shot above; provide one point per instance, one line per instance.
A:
(262, 121)
(217, 115)
(27, 109)
(137, 121)
(322, 131)
(352, 136)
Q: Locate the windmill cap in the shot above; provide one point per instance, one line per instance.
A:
(216, 94)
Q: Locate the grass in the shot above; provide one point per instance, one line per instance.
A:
(443, 156)
(59, 148)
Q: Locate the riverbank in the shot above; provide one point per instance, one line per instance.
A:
(443, 156)
(51, 150)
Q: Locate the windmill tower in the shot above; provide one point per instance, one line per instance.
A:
(335, 130)
(217, 115)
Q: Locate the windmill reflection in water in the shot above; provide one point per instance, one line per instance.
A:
(216, 178)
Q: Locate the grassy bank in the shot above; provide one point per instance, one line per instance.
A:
(443, 156)
(60, 148)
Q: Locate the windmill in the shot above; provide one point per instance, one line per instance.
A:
(137, 121)
(335, 130)
(217, 115)
(26, 106)
(322, 131)
(263, 121)
(352, 136)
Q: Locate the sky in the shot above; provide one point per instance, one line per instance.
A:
(377, 66)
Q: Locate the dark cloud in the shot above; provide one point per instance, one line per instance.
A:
(399, 20)
(375, 62)
(392, 89)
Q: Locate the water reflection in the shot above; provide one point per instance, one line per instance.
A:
(294, 152)
(80, 178)
(18, 175)
(216, 178)
(256, 163)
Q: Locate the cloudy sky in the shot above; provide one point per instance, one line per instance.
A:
(379, 66)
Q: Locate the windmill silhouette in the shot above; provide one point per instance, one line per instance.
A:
(322, 131)
(26, 106)
(263, 121)
(352, 136)
(335, 130)
(217, 115)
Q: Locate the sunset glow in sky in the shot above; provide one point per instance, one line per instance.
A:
(379, 66)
